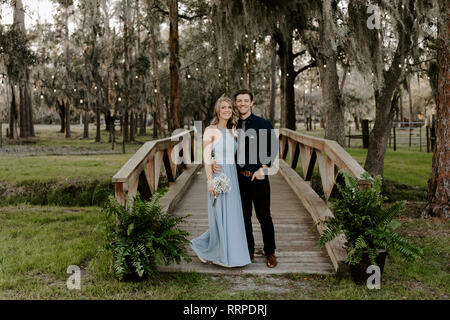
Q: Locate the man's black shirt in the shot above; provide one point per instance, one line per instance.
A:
(254, 135)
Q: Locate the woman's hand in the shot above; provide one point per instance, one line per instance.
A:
(211, 190)
(258, 175)
(215, 167)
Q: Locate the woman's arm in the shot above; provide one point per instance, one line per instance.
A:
(208, 140)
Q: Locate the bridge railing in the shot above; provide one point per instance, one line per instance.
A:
(329, 155)
(142, 171)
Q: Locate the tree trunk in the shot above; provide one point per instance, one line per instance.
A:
(411, 115)
(401, 108)
(97, 123)
(329, 80)
(141, 124)
(379, 136)
(125, 127)
(157, 105)
(86, 124)
(438, 198)
(30, 120)
(174, 103)
(22, 112)
(13, 115)
(155, 128)
(273, 86)
(132, 125)
(287, 79)
(62, 115)
(356, 123)
(67, 108)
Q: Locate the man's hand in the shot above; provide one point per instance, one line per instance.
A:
(215, 167)
(259, 175)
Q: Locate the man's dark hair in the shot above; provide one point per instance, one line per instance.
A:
(243, 91)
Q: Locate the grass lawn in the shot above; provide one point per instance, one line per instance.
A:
(37, 244)
(45, 168)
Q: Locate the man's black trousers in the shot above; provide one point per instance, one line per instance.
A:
(257, 193)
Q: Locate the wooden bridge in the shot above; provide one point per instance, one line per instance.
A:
(297, 210)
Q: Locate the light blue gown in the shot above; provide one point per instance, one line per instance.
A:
(225, 240)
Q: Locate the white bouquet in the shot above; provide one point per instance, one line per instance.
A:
(220, 184)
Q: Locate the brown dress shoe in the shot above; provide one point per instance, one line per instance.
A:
(252, 256)
(271, 261)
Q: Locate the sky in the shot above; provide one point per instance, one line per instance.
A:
(44, 9)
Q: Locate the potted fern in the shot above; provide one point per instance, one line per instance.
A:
(143, 236)
(368, 228)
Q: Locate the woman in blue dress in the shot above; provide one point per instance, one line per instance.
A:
(225, 242)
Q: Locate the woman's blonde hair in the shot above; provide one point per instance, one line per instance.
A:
(233, 121)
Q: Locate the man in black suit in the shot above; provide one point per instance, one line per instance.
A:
(254, 156)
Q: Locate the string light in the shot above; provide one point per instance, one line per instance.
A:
(189, 76)
(156, 90)
(119, 99)
(81, 101)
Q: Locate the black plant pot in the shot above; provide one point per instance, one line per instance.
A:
(359, 272)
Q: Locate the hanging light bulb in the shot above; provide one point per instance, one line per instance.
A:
(42, 96)
(242, 78)
(220, 75)
(220, 58)
(81, 101)
(115, 83)
(137, 77)
(246, 35)
(156, 90)
(324, 65)
(95, 88)
(75, 90)
(196, 69)
(54, 90)
(120, 99)
(189, 76)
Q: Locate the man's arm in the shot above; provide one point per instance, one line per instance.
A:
(272, 144)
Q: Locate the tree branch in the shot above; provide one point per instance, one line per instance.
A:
(182, 16)
(295, 55)
(311, 65)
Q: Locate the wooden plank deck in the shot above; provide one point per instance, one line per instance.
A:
(296, 235)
